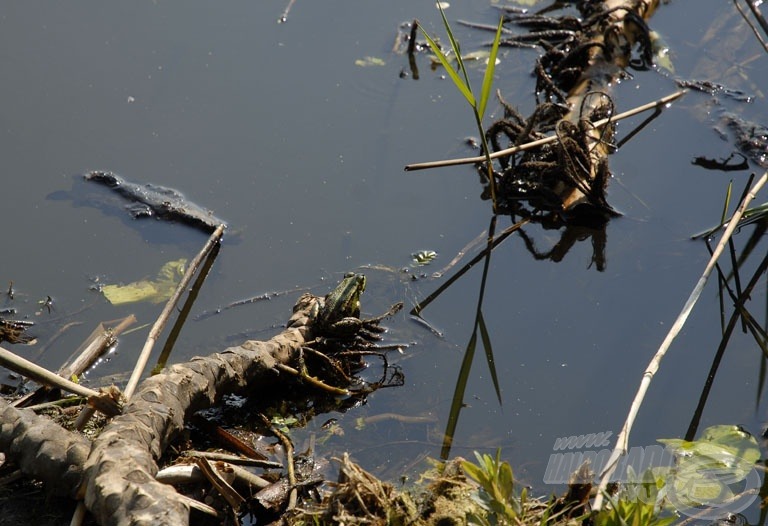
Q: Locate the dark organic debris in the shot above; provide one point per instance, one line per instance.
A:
(565, 180)
(713, 88)
(149, 200)
(751, 138)
(542, 178)
(13, 331)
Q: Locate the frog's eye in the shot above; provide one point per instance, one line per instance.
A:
(349, 274)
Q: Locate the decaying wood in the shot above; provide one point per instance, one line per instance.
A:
(42, 449)
(119, 486)
(115, 474)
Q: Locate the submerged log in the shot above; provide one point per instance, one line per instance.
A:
(150, 200)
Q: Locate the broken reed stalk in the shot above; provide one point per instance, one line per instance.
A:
(622, 441)
(41, 375)
(162, 320)
(84, 357)
(663, 101)
(94, 346)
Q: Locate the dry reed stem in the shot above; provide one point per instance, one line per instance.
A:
(622, 441)
(162, 320)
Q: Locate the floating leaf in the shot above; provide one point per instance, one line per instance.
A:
(155, 291)
(706, 467)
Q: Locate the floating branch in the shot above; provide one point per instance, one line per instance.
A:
(150, 200)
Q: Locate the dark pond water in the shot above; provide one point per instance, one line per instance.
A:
(277, 129)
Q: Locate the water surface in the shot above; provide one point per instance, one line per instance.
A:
(275, 128)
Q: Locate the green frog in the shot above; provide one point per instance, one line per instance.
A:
(339, 315)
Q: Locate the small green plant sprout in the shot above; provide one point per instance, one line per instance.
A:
(640, 502)
(462, 84)
(496, 493)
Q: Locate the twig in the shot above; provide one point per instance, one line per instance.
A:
(232, 459)
(229, 493)
(83, 358)
(181, 319)
(94, 346)
(540, 142)
(312, 380)
(189, 473)
(622, 441)
(416, 311)
(162, 320)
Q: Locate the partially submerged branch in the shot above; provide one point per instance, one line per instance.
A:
(45, 377)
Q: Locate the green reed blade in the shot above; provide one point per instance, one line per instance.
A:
(489, 70)
(460, 84)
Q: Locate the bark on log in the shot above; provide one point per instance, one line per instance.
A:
(42, 449)
(119, 482)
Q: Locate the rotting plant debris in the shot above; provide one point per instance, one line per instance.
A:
(566, 180)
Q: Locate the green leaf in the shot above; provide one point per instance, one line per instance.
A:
(489, 70)
(456, 50)
(472, 471)
(460, 84)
